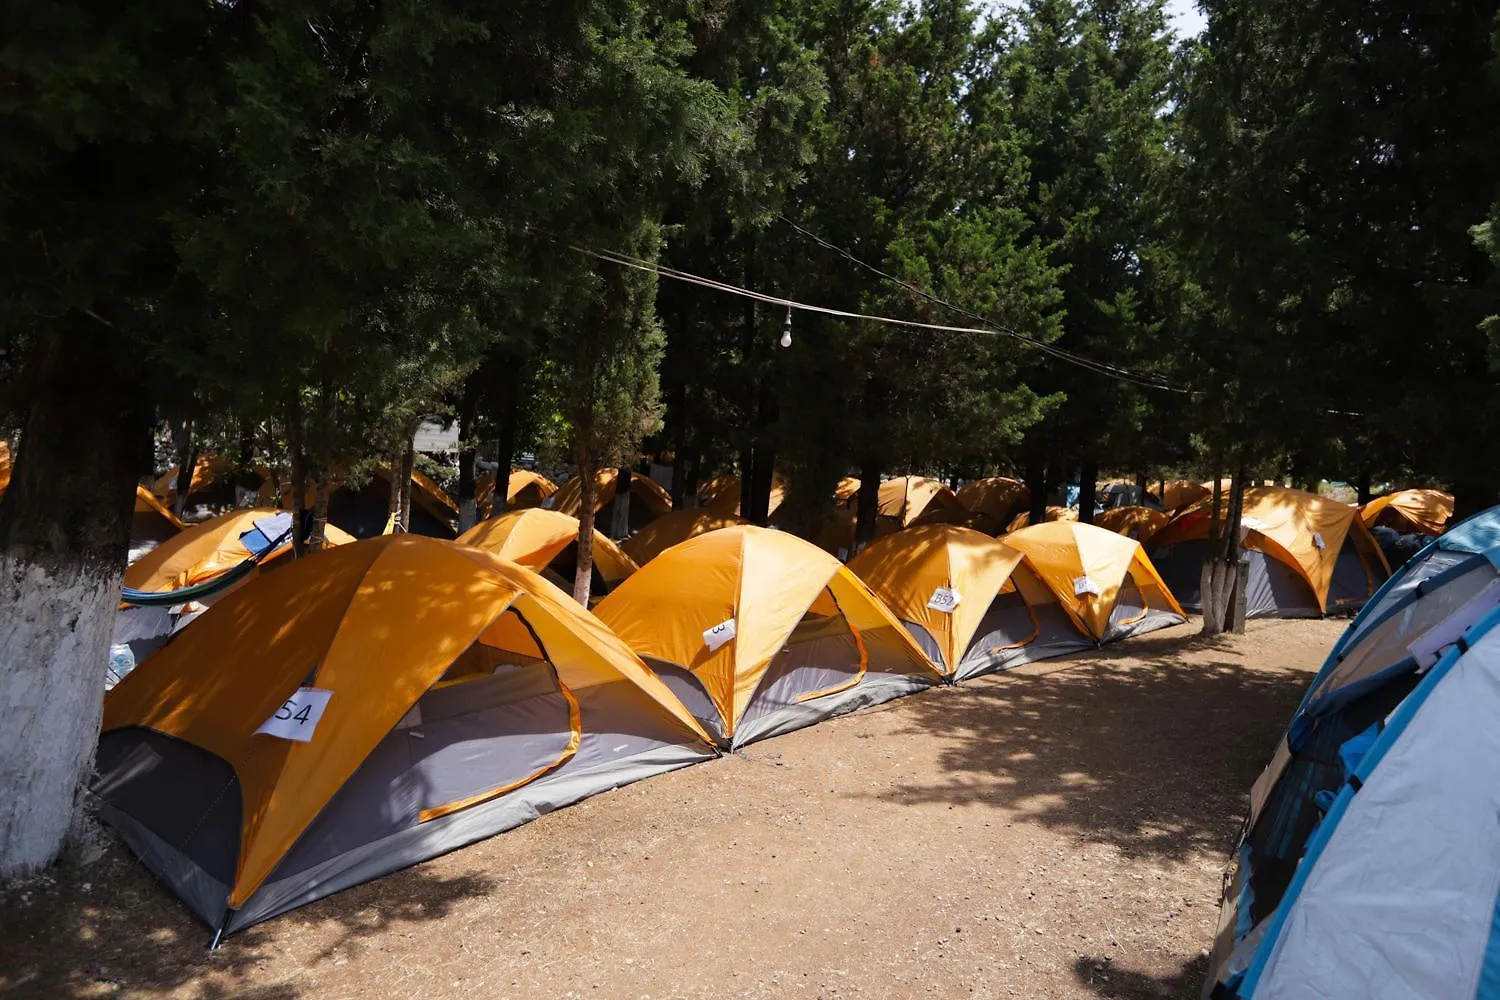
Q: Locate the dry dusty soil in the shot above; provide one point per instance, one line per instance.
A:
(1056, 831)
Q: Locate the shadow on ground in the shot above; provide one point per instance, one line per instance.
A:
(1113, 983)
(1150, 746)
(110, 930)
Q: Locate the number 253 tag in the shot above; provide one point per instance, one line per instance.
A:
(298, 716)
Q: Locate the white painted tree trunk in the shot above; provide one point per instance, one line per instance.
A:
(54, 642)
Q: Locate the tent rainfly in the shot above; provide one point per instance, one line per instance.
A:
(678, 526)
(357, 713)
(760, 633)
(1104, 580)
(546, 542)
(1409, 511)
(1368, 866)
(973, 603)
(1309, 555)
(998, 497)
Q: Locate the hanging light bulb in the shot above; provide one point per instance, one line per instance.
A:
(786, 329)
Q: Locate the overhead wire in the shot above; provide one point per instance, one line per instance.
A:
(1150, 380)
(989, 329)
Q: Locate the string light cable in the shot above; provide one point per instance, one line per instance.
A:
(989, 329)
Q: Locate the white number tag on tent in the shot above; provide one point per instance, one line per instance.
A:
(1318, 540)
(1083, 585)
(298, 716)
(944, 599)
(718, 635)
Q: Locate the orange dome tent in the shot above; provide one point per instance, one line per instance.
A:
(1408, 511)
(1309, 555)
(210, 484)
(546, 542)
(1054, 513)
(973, 603)
(1105, 581)
(760, 633)
(648, 500)
(722, 494)
(906, 498)
(524, 489)
(1133, 521)
(1183, 493)
(671, 529)
(365, 710)
(998, 497)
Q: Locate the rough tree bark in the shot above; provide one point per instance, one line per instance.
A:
(583, 574)
(1222, 582)
(505, 447)
(868, 505)
(1088, 479)
(403, 476)
(187, 459)
(393, 506)
(296, 446)
(1362, 489)
(468, 414)
(1036, 485)
(317, 536)
(619, 521)
(64, 532)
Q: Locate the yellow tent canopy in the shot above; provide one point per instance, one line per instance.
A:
(208, 471)
(1104, 580)
(998, 497)
(1310, 555)
(1133, 521)
(150, 521)
(722, 494)
(837, 534)
(362, 711)
(1407, 511)
(524, 489)
(906, 498)
(973, 603)
(1183, 493)
(213, 547)
(678, 526)
(546, 542)
(760, 633)
(1054, 513)
(959, 517)
(648, 500)
(846, 490)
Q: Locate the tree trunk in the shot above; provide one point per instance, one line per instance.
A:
(317, 537)
(1088, 483)
(1140, 487)
(680, 457)
(755, 494)
(408, 463)
(619, 522)
(1036, 486)
(64, 532)
(468, 413)
(296, 445)
(187, 458)
(583, 573)
(868, 509)
(1222, 582)
(1470, 497)
(1362, 488)
(505, 448)
(393, 506)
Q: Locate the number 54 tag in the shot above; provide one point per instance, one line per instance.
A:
(298, 716)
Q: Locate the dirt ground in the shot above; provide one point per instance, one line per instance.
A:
(1056, 831)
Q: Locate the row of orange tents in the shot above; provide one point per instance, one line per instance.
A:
(342, 715)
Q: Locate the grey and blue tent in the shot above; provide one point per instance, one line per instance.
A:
(1370, 863)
